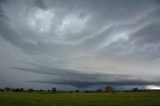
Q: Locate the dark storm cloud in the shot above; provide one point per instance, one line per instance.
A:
(86, 84)
(84, 80)
(9, 34)
(119, 10)
(142, 38)
(147, 35)
(40, 4)
(74, 38)
(70, 74)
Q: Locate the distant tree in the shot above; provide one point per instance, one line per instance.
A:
(86, 91)
(17, 90)
(70, 91)
(54, 89)
(13, 89)
(21, 89)
(48, 90)
(98, 90)
(135, 89)
(109, 89)
(77, 91)
(41, 90)
(7, 89)
(30, 90)
(1, 90)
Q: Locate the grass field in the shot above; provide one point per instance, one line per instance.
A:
(80, 99)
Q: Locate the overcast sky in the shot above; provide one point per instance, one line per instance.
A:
(81, 44)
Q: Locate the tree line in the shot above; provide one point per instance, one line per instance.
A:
(108, 89)
(8, 89)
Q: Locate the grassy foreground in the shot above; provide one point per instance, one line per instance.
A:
(80, 99)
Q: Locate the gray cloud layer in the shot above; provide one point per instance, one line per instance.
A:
(84, 80)
(78, 39)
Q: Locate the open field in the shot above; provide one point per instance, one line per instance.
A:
(80, 99)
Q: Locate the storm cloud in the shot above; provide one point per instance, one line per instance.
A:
(79, 43)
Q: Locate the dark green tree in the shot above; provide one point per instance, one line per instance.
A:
(54, 89)
(13, 89)
(7, 89)
(30, 90)
(77, 91)
(1, 90)
(109, 89)
(135, 89)
(21, 89)
(98, 90)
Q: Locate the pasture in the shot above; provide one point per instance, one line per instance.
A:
(80, 99)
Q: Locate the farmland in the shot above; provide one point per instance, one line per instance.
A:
(80, 99)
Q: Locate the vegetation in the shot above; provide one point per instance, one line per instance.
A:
(80, 99)
(54, 89)
(109, 89)
(99, 97)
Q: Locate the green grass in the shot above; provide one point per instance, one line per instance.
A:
(81, 99)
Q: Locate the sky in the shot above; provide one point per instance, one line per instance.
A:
(80, 44)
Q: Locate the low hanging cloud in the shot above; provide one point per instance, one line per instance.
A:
(84, 80)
